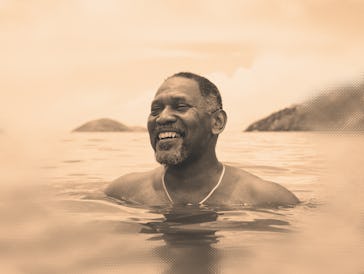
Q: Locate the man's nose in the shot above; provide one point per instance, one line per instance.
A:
(166, 116)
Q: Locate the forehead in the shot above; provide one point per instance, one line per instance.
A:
(179, 87)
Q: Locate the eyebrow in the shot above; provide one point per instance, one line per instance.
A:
(174, 98)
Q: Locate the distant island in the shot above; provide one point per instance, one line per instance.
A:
(337, 110)
(106, 125)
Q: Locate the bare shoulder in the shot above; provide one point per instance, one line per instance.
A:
(258, 191)
(137, 187)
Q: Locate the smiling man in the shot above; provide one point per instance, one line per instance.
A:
(185, 121)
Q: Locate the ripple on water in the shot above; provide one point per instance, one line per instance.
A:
(72, 161)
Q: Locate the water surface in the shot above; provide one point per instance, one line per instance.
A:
(63, 223)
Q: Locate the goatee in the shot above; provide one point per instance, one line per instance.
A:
(167, 155)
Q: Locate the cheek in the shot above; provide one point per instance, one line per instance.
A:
(197, 133)
(150, 127)
(150, 123)
(202, 125)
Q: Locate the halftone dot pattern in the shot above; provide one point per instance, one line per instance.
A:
(190, 258)
(338, 109)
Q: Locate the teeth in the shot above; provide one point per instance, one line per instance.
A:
(168, 134)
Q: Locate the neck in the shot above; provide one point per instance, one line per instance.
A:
(193, 180)
(191, 168)
(193, 183)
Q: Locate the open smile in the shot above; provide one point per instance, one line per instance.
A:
(167, 139)
(168, 135)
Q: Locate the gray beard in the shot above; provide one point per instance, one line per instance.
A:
(172, 156)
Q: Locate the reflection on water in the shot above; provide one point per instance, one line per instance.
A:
(189, 234)
(188, 245)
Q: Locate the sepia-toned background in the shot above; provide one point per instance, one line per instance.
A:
(64, 63)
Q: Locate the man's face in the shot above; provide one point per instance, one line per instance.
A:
(179, 125)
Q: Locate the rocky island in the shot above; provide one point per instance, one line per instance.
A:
(337, 110)
(106, 125)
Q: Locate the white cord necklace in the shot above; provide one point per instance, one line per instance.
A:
(204, 199)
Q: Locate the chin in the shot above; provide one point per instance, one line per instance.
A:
(170, 158)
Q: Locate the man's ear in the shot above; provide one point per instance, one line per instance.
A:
(218, 121)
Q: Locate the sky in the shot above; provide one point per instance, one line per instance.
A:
(63, 63)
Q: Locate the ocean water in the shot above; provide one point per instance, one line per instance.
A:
(56, 219)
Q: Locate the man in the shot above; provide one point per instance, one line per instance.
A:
(185, 121)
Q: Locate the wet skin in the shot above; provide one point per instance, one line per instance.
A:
(183, 133)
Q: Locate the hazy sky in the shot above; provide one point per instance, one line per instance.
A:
(63, 63)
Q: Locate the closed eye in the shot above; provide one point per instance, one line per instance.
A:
(182, 107)
(155, 110)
